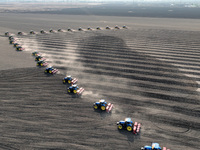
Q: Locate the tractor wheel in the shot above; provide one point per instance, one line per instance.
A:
(64, 81)
(119, 126)
(41, 64)
(68, 91)
(50, 71)
(129, 128)
(95, 107)
(35, 59)
(37, 64)
(103, 107)
(45, 71)
(69, 81)
(74, 91)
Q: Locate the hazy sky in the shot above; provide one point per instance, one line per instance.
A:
(170, 1)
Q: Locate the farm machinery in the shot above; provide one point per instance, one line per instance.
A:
(20, 33)
(69, 80)
(50, 70)
(154, 146)
(36, 54)
(19, 48)
(43, 32)
(32, 32)
(39, 58)
(128, 125)
(42, 63)
(7, 34)
(103, 106)
(74, 89)
(52, 31)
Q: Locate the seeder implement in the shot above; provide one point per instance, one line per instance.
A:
(136, 128)
(164, 148)
(109, 107)
(54, 71)
(74, 81)
(80, 91)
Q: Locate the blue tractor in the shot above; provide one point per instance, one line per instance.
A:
(154, 146)
(32, 32)
(75, 90)
(69, 80)
(50, 70)
(39, 58)
(16, 44)
(7, 34)
(129, 125)
(103, 105)
(36, 54)
(126, 124)
(42, 63)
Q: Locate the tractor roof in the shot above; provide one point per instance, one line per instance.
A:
(128, 119)
(75, 85)
(102, 101)
(155, 145)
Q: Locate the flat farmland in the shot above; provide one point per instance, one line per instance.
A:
(150, 72)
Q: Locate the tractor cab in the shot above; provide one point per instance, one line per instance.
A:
(102, 101)
(7, 34)
(124, 27)
(98, 28)
(20, 33)
(19, 48)
(89, 28)
(128, 121)
(69, 29)
(15, 44)
(80, 29)
(155, 146)
(32, 32)
(74, 86)
(73, 89)
(69, 77)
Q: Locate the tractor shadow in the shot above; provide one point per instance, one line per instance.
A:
(130, 136)
(102, 113)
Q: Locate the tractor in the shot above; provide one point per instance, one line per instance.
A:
(103, 105)
(39, 58)
(19, 48)
(98, 28)
(20, 33)
(32, 32)
(52, 31)
(117, 27)
(50, 70)
(69, 80)
(7, 34)
(89, 28)
(74, 89)
(16, 44)
(43, 32)
(108, 28)
(35, 53)
(42, 63)
(128, 125)
(154, 146)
